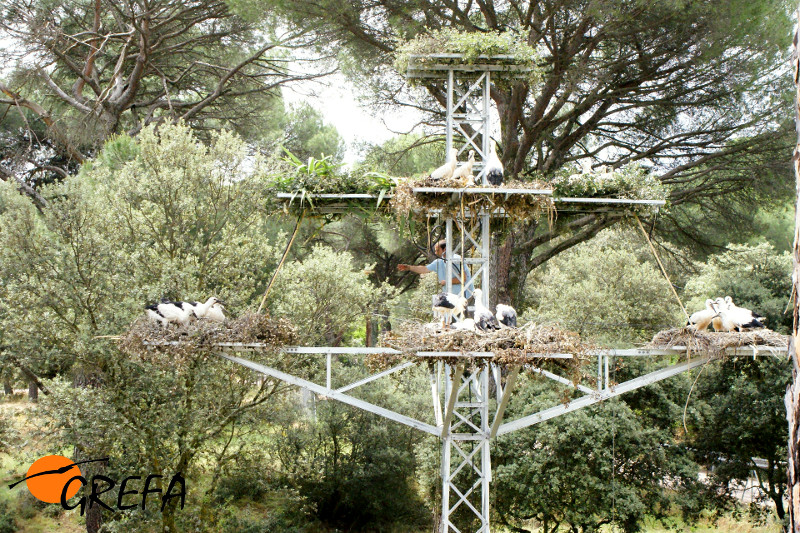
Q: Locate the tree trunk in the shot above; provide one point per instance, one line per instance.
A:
(792, 398)
(8, 389)
(33, 391)
(510, 266)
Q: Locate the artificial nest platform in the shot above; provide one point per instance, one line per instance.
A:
(716, 343)
(150, 341)
(521, 205)
(531, 344)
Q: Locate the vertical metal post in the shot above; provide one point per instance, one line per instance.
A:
(487, 84)
(466, 459)
(599, 372)
(328, 370)
(486, 284)
(449, 125)
(606, 371)
(448, 390)
(486, 460)
(448, 254)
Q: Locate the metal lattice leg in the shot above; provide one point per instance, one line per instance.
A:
(466, 465)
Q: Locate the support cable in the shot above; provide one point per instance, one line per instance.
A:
(283, 258)
(661, 266)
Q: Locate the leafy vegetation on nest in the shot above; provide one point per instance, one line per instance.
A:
(471, 44)
(323, 176)
(631, 182)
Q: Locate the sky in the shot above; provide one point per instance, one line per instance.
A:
(336, 99)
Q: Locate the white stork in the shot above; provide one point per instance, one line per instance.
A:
(701, 319)
(166, 312)
(737, 318)
(464, 172)
(494, 167)
(210, 309)
(446, 171)
(506, 316)
(447, 305)
(484, 319)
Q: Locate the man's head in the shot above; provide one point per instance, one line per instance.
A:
(439, 248)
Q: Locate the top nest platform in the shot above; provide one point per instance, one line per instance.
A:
(438, 65)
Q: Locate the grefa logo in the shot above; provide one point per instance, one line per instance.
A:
(56, 479)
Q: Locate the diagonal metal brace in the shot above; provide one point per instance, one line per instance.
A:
(336, 395)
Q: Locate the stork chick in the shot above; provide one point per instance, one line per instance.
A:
(167, 312)
(506, 316)
(447, 305)
(494, 167)
(446, 171)
(701, 319)
(484, 319)
(464, 172)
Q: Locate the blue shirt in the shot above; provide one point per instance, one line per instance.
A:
(440, 267)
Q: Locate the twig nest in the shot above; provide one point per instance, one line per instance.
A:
(530, 344)
(715, 343)
(147, 340)
(408, 203)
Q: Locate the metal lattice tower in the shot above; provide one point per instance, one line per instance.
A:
(464, 419)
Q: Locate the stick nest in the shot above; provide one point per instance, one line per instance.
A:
(526, 345)
(407, 203)
(715, 343)
(146, 340)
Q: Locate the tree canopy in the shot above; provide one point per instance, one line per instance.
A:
(692, 90)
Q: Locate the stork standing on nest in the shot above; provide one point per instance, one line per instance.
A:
(735, 318)
(484, 319)
(732, 306)
(448, 305)
(494, 167)
(701, 319)
(212, 309)
(446, 171)
(464, 172)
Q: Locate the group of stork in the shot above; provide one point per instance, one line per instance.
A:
(724, 315)
(170, 312)
(449, 306)
(451, 170)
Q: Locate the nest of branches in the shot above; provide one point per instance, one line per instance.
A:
(715, 343)
(407, 203)
(527, 345)
(149, 341)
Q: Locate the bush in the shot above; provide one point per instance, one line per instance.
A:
(248, 480)
(356, 469)
(7, 522)
(607, 289)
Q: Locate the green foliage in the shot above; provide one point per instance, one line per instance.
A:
(7, 522)
(306, 134)
(470, 44)
(355, 467)
(323, 176)
(404, 155)
(325, 294)
(755, 276)
(608, 289)
(173, 217)
(728, 437)
(632, 182)
(600, 465)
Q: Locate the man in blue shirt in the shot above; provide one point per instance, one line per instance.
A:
(440, 267)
